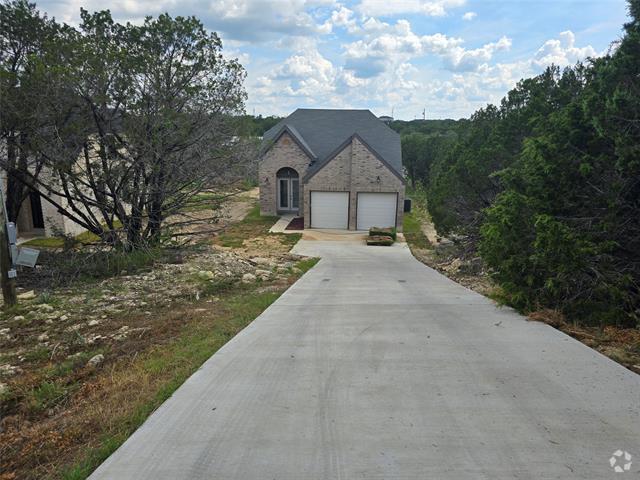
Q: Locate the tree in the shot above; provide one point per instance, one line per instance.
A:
(565, 233)
(140, 119)
(23, 33)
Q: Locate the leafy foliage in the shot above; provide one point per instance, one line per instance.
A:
(131, 120)
(547, 187)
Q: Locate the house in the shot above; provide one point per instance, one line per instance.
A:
(339, 169)
(39, 218)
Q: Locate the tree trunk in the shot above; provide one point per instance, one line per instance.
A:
(17, 190)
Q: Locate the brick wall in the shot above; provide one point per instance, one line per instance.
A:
(285, 153)
(355, 169)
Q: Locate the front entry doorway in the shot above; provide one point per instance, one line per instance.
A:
(288, 191)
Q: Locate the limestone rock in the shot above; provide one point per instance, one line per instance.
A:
(206, 275)
(95, 360)
(248, 278)
(261, 261)
(30, 295)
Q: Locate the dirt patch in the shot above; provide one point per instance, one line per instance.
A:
(210, 216)
(469, 272)
(334, 235)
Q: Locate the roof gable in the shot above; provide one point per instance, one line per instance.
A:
(293, 133)
(323, 131)
(320, 165)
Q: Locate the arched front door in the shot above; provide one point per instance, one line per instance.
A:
(288, 190)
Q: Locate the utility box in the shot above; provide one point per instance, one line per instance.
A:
(28, 257)
(12, 233)
(407, 205)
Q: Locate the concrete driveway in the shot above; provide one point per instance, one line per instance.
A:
(374, 366)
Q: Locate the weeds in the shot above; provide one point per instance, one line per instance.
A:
(157, 374)
(45, 396)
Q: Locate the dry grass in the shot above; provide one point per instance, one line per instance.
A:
(61, 418)
(108, 403)
(621, 345)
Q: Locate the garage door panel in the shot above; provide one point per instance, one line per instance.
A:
(376, 210)
(330, 210)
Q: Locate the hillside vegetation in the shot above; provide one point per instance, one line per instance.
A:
(546, 185)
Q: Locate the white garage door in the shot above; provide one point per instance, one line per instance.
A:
(376, 210)
(329, 209)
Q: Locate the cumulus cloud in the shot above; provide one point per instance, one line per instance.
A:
(433, 8)
(469, 16)
(390, 45)
(245, 20)
(562, 51)
(343, 17)
(460, 59)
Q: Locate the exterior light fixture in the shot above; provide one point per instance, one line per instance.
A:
(378, 179)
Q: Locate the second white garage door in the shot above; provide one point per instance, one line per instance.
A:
(329, 210)
(376, 210)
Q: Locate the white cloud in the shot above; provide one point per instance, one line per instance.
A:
(433, 8)
(246, 20)
(343, 17)
(387, 45)
(460, 59)
(562, 51)
(469, 15)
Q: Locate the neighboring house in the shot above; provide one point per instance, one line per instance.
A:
(338, 169)
(38, 217)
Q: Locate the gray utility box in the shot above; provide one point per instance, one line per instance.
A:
(28, 257)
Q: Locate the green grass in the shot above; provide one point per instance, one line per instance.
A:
(38, 354)
(67, 366)
(203, 201)
(251, 226)
(45, 242)
(46, 395)
(412, 229)
(412, 224)
(289, 238)
(84, 238)
(307, 264)
(181, 358)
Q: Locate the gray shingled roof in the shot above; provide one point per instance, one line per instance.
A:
(322, 131)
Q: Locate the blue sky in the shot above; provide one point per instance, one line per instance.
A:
(448, 57)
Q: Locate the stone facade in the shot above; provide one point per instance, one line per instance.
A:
(354, 169)
(284, 153)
